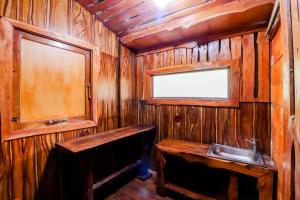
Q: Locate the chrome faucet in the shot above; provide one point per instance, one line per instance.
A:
(252, 141)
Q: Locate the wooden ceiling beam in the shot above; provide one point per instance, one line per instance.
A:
(135, 25)
(188, 43)
(148, 12)
(191, 20)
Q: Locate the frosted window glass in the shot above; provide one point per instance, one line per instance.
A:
(197, 84)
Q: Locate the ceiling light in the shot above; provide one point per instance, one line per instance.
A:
(162, 3)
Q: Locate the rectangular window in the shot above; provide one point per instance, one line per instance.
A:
(46, 82)
(198, 84)
(205, 84)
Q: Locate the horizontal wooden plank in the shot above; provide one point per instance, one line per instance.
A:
(92, 141)
(61, 127)
(187, 192)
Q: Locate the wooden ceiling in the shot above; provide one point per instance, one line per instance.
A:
(142, 26)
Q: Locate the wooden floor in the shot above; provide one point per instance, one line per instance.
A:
(137, 190)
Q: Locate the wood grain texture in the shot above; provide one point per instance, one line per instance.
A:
(210, 125)
(285, 100)
(29, 168)
(128, 89)
(248, 70)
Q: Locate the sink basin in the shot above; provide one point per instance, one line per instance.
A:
(235, 154)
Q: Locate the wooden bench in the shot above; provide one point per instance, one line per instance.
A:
(197, 153)
(77, 161)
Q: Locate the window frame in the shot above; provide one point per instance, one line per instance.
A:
(13, 31)
(234, 84)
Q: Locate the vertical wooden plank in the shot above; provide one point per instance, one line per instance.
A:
(222, 126)
(128, 88)
(226, 126)
(183, 56)
(195, 55)
(263, 68)
(171, 58)
(246, 117)
(213, 50)
(166, 122)
(6, 63)
(160, 59)
(58, 16)
(203, 53)
(5, 171)
(17, 170)
(262, 128)
(112, 113)
(81, 23)
(179, 122)
(102, 86)
(236, 47)
(9, 8)
(25, 11)
(236, 52)
(193, 123)
(177, 57)
(166, 60)
(189, 56)
(225, 53)
(151, 62)
(139, 84)
(44, 144)
(40, 13)
(248, 68)
(29, 175)
(209, 125)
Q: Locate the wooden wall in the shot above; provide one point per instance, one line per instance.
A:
(285, 75)
(128, 90)
(277, 108)
(28, 166)
(230, 126)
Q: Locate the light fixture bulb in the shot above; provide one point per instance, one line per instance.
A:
(162, 3)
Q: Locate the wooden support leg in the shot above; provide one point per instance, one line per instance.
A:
(146, 145)
(86, 178)
(232, 193)
(161, 162)
(265, 187)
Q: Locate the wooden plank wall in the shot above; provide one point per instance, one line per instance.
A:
(28, 167)
(128, 97)
(230, 126)
(278, 109)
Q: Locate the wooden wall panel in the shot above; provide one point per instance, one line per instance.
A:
(128, 89)
(277, 109)
(230, 126)
(285, 100)
(248, 69)
(29, 168)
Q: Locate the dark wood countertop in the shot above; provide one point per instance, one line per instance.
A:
(196, 152)
(92, 141)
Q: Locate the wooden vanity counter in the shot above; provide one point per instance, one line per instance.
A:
(197, 153)
(93, 141)
(78, 158)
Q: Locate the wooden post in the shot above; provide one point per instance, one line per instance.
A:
(161, 162)
(232, 193)
(265, 187)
